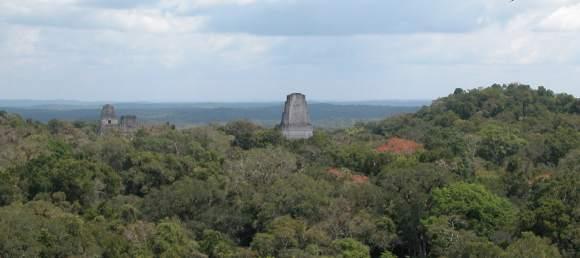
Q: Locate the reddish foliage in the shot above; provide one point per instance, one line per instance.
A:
(359, 179)
(542, 177)
(400, 146)
(335, 172)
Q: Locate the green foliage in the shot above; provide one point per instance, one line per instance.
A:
(283, 233)
(446, 240)
(472, 207)
(38, 229)
(297, 195)
(187, 198)
(531, 246)
(387, 254)
(559, 143)
(554, 211)
(407, 192)
(9, 190)
(376, 232)
(171, 240)
(498, 143)
(350, 248)
(216, 244)
(81, 181)
(262, 166)
(361, 158)
(248, 135)
(264, 244)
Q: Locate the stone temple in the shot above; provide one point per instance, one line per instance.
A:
(128, 123)
(109, 121)
(295, 119)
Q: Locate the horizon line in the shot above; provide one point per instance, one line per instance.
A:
(206, 102)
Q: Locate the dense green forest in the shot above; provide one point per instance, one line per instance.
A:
(490, 172)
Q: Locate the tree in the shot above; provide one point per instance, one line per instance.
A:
(407, 193)
(264, 244)
(387, 254)
(350, 248)
(531, 246)
(446, 240)
(498, 143)
(283, 233)
(472, 207)
(360, 158)
(559, 143)
(243, 131)
(187, 199)
(262, 166)
(39, 229)
(9, 190)
(297, 195)
(171, 241)
(458, 91)
(216, 244)
(377, 233)
(80, 180)
(554, 211)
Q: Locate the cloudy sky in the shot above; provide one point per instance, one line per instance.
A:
(260, 50)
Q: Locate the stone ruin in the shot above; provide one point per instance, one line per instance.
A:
(295, 119)
(295, 122)
(128, 123)
(109, 121)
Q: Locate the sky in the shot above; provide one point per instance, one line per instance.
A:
(262, 50)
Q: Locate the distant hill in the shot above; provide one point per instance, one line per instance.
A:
(335, 115)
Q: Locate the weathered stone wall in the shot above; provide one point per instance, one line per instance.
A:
(108, 111)
(296, 119)
(129, 123)
(109, 119)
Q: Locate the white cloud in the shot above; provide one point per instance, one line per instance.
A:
(183, 6)
(566, 18)
(34, 7)
(171, 43)
(151, 21)
(221, 2)
(19, 42)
